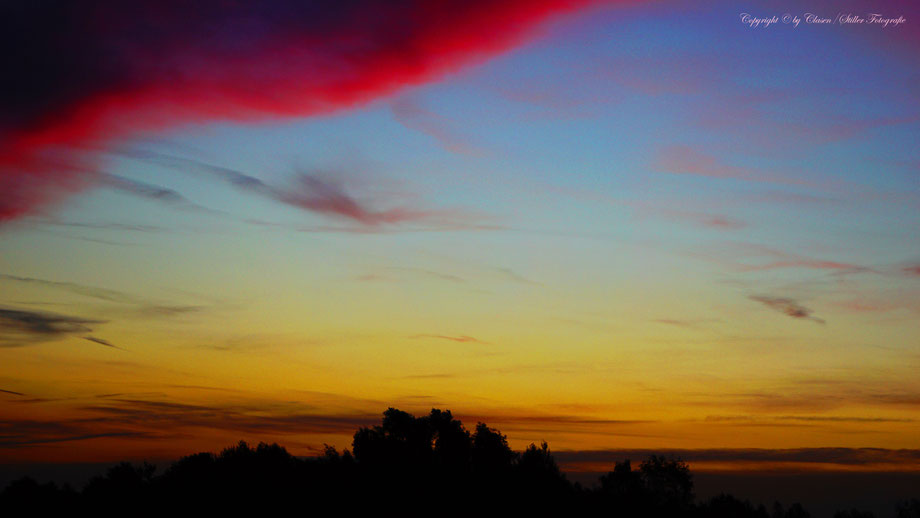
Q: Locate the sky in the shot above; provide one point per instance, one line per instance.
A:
(613, 226)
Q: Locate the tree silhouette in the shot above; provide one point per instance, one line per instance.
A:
(854, 513)
(406, 465)
(727, 506)
(668, 482)
(909, 509)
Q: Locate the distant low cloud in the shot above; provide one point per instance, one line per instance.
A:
(158, 419)
(22, 327)
(787, 306)
(816, 458)
(780, 419)
(25, 433)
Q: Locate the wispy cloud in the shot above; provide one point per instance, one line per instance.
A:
(429, 376)
(750, 458)
(787, 306)
(148, 191)
(22, 327)
(511, 275)
(128, 227)
(413, 115)
(150, 416)
(751, 257)
(673, 322)
(429, 273)
(536, 423)
(769, 420)
(801, 397)
(685, 323)
(683, 159)
(101, 341)
(142, 306)
(19, 433)
(317, 193)
(700, 219)
(79, 289)
(458, 338)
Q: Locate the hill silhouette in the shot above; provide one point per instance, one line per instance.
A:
(406, 466)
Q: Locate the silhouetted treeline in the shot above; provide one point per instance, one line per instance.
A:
(430, 465)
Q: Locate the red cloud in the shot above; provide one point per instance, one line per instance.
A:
(80, 75)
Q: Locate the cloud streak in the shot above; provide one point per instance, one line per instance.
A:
(414, 116)
(687, 160)
(787, 306)
(79, 289)
(459, 338)
(157, 419)
(143, 307)
(804, 458)
(100, 341)
(149, 192)
(750, 257)
(22, 327)
(700, 219)
(314, 193)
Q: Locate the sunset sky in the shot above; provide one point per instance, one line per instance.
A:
(614, 225)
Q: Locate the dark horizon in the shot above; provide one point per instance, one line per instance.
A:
(820, 493)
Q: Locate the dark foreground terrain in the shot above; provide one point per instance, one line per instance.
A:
(408, 465)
